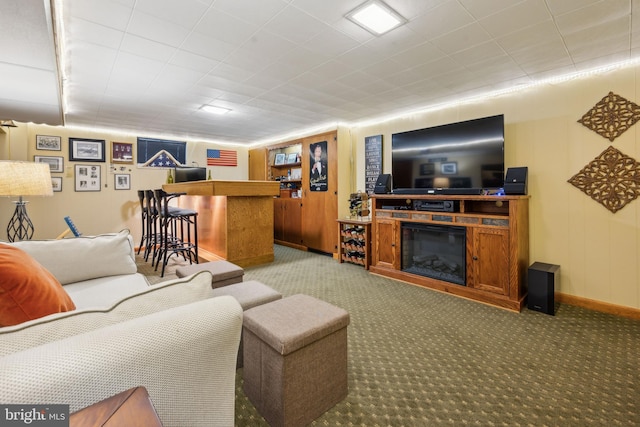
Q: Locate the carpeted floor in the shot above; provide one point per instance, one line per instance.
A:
(422, 358)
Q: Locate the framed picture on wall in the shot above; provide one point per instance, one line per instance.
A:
(122, 181)
(48, 142)
(56, 183)
(121, 153)
(449, 168)
(56, 164)
(86, 150)
(87, 177)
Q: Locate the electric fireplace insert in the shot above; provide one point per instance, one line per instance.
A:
(435, 251)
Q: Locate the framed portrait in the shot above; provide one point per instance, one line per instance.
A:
(86, 150)
(56, 164)
(427, 169)
(48, 142)
(122, 153)
(122, 181)
(449, 168)
(56, 183)
(292, 158)
(87, 177)
(280, 158)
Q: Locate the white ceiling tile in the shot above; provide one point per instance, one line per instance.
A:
(330, 43)
(295, 25)
(224, 27)
(521, 15)
(559, 7)
(193, 61)
(483, 8)
(442, 19)
(150, 27)
(185, 13)
(543, 32)
(208, 47)
(461, 39)
(417, 55)
(107, 13)
(257, 13)
(593, 15)
(147, 48)
(411, 9)
(478, 53)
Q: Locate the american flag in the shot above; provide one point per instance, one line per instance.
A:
(222, 157)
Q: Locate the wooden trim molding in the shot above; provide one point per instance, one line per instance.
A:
(604, 307)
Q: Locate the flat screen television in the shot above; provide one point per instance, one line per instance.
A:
(185, 174)
(464, 158)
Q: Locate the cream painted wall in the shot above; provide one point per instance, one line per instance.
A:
(597, 251)
(94, 212)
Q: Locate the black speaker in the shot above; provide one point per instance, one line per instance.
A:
(516, 181)
(542, 282)
(383, 184)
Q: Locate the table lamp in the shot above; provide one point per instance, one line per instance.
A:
(23, 179)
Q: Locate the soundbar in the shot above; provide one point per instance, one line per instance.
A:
(450, 191)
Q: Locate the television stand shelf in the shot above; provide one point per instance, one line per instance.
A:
(495, 257)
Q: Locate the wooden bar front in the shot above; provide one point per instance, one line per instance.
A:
(235, 218)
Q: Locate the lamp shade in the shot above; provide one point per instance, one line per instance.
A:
(8, 123)
(25, 179)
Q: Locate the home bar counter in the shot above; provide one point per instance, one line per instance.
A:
(235, 218)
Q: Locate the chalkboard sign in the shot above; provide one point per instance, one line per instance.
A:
(372, 161)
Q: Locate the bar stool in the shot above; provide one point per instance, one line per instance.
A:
(171, 229)
(144, 218)
(153, 238)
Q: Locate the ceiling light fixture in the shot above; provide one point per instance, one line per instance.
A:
(215, 110)
(376, 17)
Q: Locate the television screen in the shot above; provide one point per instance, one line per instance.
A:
(463, 155)
(184, 174)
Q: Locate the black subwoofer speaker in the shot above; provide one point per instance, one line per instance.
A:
(516, 181)
(383, 184)
(542, 280)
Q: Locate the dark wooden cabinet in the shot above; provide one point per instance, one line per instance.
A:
(496, 248)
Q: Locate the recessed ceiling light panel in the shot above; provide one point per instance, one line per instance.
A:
(376, 17)
(215, 110)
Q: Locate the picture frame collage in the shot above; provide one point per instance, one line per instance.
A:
(87, 177)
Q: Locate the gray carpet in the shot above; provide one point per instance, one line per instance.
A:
(422, 358)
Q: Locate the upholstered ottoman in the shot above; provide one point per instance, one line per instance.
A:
(224, 272)
(295, 359)
(249, 294)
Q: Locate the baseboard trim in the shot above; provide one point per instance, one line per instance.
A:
(604, 307)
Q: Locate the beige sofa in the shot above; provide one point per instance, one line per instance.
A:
(172, 338)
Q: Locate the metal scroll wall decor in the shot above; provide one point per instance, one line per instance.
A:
(613, 178)
(612, 116)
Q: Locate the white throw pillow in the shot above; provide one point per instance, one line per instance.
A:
(83, 258)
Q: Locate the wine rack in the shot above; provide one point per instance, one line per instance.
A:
(355, 238)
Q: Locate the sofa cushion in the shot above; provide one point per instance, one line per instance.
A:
(82, 258)
(104, 292)
(155, 298)
(27, 290)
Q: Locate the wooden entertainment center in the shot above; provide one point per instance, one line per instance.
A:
(496, 230)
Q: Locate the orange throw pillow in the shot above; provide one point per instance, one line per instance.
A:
(27, 290)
